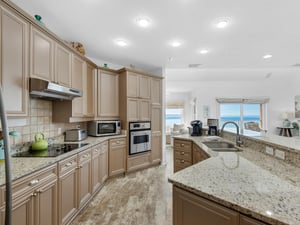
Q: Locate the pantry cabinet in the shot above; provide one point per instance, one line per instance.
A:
(63, 65)
(156, 134)
(138, 109)
(108, 95)
(117, 156)
(14, 62)
(34, 199)
(41, 55)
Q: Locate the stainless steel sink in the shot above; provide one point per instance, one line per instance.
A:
(221, 146)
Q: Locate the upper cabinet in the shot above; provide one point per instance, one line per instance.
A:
(138, 86)
(63, 65)
(41, 55)
(89, 90)
(108, 95)
(14, 62)
(156, 91)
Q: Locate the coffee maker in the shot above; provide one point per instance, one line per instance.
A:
(213, 126)
(196, 128)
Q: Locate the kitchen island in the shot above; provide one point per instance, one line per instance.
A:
(247, 183)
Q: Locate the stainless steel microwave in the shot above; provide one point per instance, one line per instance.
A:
(100, 128)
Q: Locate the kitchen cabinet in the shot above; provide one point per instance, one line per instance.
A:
(63, 65)
(156, 134)
(67, 189)
(14, 62)
(34, 199)
(99, 165)
(89, 91)
(182, 154)
(117, 156)
(138, 109)
(198, 154)
(245, 220)
(190, 209)
(138, 86)
(84, 177)
(41, 55)
(139, 161)
(156, 91)
(108, 95)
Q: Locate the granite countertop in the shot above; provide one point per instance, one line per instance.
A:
(22, 166)
(248, 181)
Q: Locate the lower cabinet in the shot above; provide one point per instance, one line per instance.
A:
(117, 156)
(198, 154)
(34, 199)
(191, 209)
(182, 154)
(138, 161)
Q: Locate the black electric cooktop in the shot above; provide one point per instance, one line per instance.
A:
(52, 150)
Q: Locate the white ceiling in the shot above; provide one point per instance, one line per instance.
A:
(256, 28)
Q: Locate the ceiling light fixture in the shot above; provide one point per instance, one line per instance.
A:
(204, 51)
(143, 22)
(267, 56)
(175, 43)
(222, 22)
(121, 42)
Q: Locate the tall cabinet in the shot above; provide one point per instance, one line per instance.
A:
(14, 61)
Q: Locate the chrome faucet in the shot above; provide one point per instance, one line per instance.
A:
(237, 138)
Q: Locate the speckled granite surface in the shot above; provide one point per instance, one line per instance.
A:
(25, 165)
(249, 182)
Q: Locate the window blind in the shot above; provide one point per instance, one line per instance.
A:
(258, 100)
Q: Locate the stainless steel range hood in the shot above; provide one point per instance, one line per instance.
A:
(51, 91)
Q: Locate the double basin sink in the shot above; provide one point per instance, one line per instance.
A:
(221, 146)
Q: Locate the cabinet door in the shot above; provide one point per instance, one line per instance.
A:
(104, 162)
(156, 119)
(198, 154)
(96, 180)
(190, 209)
(63, 65)
(84, 178)
(132, 109)
(156, 91)
(144, 87)
(78, 71)
(42, 49)
(132, 85)
(144, 110)
(245, 220)
(117, 151)
(45, 209)
(156, 147)
(108, 94)
(14, 63)
(89, 91)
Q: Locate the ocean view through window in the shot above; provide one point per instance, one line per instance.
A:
(173, 116)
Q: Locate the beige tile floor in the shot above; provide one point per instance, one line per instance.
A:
(139, 198)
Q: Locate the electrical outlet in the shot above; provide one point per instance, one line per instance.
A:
(279, 154)
(269, 150)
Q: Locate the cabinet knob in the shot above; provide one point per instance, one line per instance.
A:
(182, 153)
(68, 164)
(182, 145)
(33, 182)
(79, 167)
(85, 156)
(182, 161)
(118, 142)
(34, 194)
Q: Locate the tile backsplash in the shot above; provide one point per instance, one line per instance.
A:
(39, 120)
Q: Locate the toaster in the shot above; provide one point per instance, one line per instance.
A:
(76, 135)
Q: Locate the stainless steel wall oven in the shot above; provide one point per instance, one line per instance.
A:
(139, 137)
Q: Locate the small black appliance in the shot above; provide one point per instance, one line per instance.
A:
(196, 128)
(212, 127)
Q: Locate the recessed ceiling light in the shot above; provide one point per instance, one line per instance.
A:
(194, 65)
(121, 42)
(143, 22)
(175, 43)
(222, 22)
(204, 51)
(267, 56)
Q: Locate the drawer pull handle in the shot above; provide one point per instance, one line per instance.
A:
(182, 153)
(182, 161)
(68, 164)
(118, 142)
(97, 150)
(79, 167)
(34, 194)
(85, 156)
(182, 145)
(33, 182)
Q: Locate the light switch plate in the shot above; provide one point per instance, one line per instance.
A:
(269, 150)
(279, 154)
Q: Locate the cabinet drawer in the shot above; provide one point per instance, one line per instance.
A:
(31, 182)
(84, 156)
(182, 145)
(182, 163)
(66, 165)
(117, 142)
(187, 155)
(137, 162)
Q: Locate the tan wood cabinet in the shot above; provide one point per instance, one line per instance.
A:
(138, 86)
(108, 95)
(63, 65)
(34, 199)
(84, 177)
(245, 220)
(182, 154)
(89, 91)
(198, 154)
(140, 161)
(117, 156)
(99, 165)
(14, 62)
(156, 91)
(67, 192)
(156, 134)
(190, 209)
(41, 55)
(138, 109)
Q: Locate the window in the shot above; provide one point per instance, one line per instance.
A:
(173, 116)
(243, 111)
